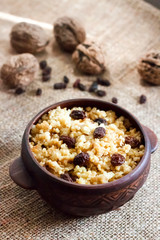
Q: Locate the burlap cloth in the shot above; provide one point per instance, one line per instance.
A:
(127, 29)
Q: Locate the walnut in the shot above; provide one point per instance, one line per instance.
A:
(68, 33)
(149, 68)
(19, 70)
(89, 58)
(26, 37)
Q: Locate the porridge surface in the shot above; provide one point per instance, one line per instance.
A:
(87, 146)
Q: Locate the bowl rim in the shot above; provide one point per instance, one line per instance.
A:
(114, 184)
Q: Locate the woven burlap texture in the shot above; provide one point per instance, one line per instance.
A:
(126, 29)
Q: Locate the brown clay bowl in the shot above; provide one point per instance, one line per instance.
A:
(78, 199)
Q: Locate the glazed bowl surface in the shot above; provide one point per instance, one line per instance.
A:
(80, 199)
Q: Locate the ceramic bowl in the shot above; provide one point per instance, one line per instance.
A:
(79, 199)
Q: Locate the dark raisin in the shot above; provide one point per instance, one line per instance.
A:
(66, 177)
(43, 64)
(77, 114)
(103, 82)
(117, 159)
(114, 100)
(65, 79)
(99, 132)
(47, 71)
(81, 87)
(39, 92)
(46, 78)
(132, 141)
(142, 99)
(45, 74)
(93, 86)
(19, 90)
(101, 93)
(70, 142)
(82, 159)
(60, 85)
(100, 120)
(75, 84)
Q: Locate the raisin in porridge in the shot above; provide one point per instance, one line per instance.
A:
(86, 146)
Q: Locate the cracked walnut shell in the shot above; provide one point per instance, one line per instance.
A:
(28, 38)
(19, 70)
(68, 33)
(149, 68)
(89, 58)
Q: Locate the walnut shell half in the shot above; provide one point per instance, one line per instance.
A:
(149, 68)
(89, 58)
(19, 70)
(68, 33)
(28, 38)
